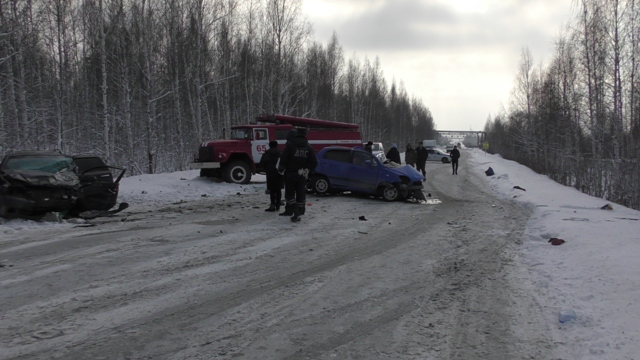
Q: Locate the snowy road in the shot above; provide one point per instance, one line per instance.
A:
(222, 279)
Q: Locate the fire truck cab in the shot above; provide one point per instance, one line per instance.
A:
(236, 159)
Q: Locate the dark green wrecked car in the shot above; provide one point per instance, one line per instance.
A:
(34, 183)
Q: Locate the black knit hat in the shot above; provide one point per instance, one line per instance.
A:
(302, 131)
(273, 144)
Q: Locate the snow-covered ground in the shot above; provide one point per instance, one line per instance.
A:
(594, 273)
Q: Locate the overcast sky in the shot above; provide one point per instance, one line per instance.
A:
(459, 56)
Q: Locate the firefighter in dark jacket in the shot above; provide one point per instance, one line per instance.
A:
(298, 161)
(421, 158)
(269, 162)
(394, 154)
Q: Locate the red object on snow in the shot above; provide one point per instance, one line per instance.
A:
(556, 241)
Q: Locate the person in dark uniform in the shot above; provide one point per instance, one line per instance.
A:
(269, 162)
(369, 147)
(455, 155)
(298, 161)
(394, 154)
(410, 156)
(290, 135)
(421, 158)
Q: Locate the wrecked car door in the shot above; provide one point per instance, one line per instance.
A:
(99, 188)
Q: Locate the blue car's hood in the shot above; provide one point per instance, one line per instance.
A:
(404, 170)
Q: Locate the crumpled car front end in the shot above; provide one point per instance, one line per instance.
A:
(30, 193)
(410, 180)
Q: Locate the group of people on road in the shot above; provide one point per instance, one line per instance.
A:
(292, 168)
(417, 157)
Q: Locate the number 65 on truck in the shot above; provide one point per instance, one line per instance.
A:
(236, 160)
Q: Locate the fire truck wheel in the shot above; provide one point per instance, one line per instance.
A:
(237, 172)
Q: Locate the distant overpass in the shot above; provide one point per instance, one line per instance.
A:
(480, 135)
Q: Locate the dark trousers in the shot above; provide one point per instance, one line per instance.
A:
(275, 197)
(274, 185)
(454, 165)
(295, 191)
(421, 165)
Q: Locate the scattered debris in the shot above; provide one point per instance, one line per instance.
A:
(607, 207)
(489, 172)
(92, 214)
(556, 241)
(363, 232)
(183, 179)
(519, 188)
(362, 218)
(143, 192)
(53, 217)
(204, 195)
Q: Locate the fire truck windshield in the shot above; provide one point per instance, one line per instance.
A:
(240, 134)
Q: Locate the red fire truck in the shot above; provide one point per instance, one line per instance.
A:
(236, 159)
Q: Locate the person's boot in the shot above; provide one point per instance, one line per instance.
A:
(271, 208)
(287, 211)
(301, 209)
(277, 205)
(296, 214)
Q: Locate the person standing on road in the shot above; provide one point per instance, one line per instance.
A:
(290, 135)
(269, 162)
(455, 155)
(410, 155)
(369, 147)
(298, 161)
(393, 154)
(421, 159)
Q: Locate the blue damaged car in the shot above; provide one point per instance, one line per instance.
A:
(353, 169)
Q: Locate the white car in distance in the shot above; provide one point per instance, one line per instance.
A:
(438, 155)
(378, 150)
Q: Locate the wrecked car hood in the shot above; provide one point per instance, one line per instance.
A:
(64, 178)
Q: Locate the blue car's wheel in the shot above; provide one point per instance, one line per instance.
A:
(390, 193)
(320, 185)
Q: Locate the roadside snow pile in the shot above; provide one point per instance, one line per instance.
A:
(155, 189)
(594, 274)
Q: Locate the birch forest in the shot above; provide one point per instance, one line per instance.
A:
(577, 119)
(143, 82)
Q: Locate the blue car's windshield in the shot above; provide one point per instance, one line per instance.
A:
(50, 164)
